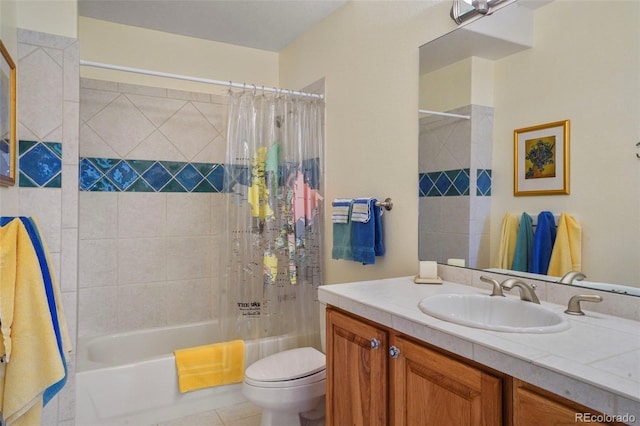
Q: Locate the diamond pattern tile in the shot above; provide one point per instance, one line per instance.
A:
(121, 125)
(109, 174)
(189, 131)
(483, 182)
(446, 183)
(40, 164)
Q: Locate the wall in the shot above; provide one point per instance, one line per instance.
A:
(47, 76)
(604, 126)
(368, 54)
(147, 239)
(58, 17)
(154, 50)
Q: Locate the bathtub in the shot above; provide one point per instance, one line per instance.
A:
(130, 378)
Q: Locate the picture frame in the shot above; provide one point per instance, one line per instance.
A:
(7, 118)
(541, 159)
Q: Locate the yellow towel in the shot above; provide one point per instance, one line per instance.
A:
(35, 362)
(508, 240)
(567, 250)
(210, 365)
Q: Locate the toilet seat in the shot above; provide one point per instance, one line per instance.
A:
(290, 368)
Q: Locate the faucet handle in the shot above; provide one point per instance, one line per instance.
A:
(574, 303)
(497, 288)
(570, 276)
(527, 291)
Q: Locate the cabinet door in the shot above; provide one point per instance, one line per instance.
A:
(356, 372)
(533, 406)
(429, 388)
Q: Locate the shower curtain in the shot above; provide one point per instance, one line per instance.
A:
(273, 180)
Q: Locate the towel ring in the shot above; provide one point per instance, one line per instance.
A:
(637, 145)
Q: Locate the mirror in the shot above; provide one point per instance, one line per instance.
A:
(7, 118)
(528, 64)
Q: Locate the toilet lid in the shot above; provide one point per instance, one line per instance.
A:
(287, 365)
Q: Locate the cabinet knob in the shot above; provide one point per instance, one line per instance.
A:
(375, 343)
(394, 352)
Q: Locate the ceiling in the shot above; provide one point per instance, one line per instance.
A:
(261, 24)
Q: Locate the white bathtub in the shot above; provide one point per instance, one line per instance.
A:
(130, 378)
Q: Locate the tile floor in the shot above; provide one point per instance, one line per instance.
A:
(244, 414)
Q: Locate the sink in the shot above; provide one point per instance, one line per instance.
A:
(494, 313)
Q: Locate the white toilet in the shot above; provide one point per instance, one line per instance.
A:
(287, 384)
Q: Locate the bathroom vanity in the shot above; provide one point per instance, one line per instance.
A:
(390, 363)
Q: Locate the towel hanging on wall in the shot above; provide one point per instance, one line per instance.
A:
(341, 218)
(522, 258)
(543, 240)
(366, 231)
(508, 238)
(567, 250)
(36, 368)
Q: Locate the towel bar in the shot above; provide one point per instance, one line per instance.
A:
(387, 204)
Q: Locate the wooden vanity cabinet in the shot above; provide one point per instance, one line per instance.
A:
(533, 406)
(367, 385)
(377, 376)
(431, 388)
(357, 373)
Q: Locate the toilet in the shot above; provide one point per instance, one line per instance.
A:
(287, 385)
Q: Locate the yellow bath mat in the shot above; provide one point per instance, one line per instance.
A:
(210, 365)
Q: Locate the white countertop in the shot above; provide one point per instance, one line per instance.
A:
(596, 362)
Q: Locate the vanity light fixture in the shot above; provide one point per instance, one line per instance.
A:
(464, 10)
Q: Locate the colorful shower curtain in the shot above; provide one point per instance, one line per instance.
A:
(273, 179)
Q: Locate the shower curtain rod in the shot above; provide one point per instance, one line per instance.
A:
(198, 79)
(446, 114)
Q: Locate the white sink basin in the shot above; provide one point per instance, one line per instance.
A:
(494, 313)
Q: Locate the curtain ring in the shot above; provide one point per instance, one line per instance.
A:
(254, 89)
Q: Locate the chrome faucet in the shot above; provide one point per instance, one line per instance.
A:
(572, 275)
(497, 289)
(527, 292)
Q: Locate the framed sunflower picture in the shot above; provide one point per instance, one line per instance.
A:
(541, 159)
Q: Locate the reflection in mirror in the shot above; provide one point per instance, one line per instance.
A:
(533, 62)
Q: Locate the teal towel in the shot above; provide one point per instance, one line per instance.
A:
(342, 236)
(523, 256)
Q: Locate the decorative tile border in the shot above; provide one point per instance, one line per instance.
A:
(40, 164)
(451, 183)
(115, 175)
(483, 182)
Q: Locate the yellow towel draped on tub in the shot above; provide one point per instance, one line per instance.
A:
(567, 249)
(210, 365)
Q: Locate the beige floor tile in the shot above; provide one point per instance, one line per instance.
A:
(208, 418)
(238, 412)
(247, 421)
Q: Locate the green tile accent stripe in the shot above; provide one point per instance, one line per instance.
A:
(116, 175)
(448, 183)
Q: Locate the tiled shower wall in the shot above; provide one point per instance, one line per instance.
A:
(150, 214)
(455, 186)
(47, 91)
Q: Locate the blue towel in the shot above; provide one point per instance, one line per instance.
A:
(543, 240)
(366, 231)
(342, 229)
(522, 258)
(34, 235)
